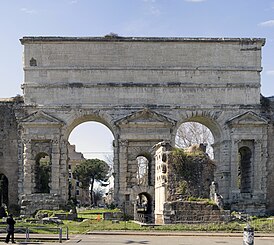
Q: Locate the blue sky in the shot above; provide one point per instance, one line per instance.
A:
(161, 18)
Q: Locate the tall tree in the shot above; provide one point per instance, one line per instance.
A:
(89, 171)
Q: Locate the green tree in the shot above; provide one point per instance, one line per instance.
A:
(89, 171)
(98, 195)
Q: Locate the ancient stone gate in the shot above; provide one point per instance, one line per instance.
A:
(142, 89)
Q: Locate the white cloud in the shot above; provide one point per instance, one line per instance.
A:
(73, 1)
(271, 72)
(195, 1)
(267, 23)
(152, 7)
(154, 10)
(28, 11)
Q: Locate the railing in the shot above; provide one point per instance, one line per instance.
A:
(144, 218)
(58, 229)
(61, 232)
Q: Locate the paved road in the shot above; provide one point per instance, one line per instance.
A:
(162, 240)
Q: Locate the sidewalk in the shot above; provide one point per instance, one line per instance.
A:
(21, 237)
(177, 233)
(75, 238)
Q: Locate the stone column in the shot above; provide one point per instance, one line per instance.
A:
(55, 167)
(28, 164)
(234, 164)
(263, 166)
(222, 153)
(116, 170)
(63, 164)
(20, 167)
(259, 180)
(135, 210)
(152, 172)
(123, 161)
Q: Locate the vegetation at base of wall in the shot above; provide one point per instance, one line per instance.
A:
(186, 162)
(205, 200)
(93, 213)
(47, 213)
(88, 225)
(82, 214)
(192, 173)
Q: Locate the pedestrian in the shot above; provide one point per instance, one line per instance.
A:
(10, 229)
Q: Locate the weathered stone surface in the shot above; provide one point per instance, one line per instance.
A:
(142, 89)
(193, 212)
(9, 147)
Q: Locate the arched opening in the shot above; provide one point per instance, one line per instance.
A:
(195, 133)
(143, 170)
(4, 190)
(42, 172)
(91, 140)
(245, 170)
(195, 172)
(144, 208)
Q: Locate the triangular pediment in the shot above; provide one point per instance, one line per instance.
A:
(40, 117)
(247, 118)
(145, 116)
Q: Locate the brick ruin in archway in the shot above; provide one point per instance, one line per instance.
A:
(142, 89)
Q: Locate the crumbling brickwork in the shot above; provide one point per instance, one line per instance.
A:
(193, 212)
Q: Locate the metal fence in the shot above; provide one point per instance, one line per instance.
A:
(28, 233)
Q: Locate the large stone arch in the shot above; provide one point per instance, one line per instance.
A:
(142, 94)
(208, 119)
(105, 119)
(82, 116)
(96, 116)
(213, 121)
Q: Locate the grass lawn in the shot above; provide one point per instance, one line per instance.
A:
(92, 220)
(95, 225)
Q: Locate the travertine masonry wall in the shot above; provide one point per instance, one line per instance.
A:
(142, 89)
(101, 71)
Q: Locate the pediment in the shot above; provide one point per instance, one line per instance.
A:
(247, 118)
(40, 117)
(145, 117)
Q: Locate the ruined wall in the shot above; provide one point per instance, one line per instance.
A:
(171, 205)
(268, 110)
(9, 147)
(193, 212)
(189, 175)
